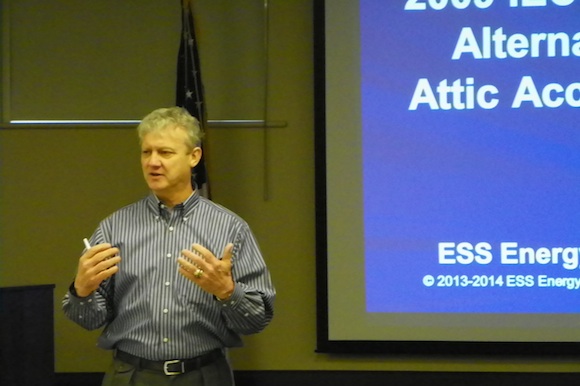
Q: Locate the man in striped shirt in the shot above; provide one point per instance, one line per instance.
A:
(174, 278)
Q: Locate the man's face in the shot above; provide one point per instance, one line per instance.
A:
(166, 162)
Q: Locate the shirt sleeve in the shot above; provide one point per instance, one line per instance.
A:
(91, 312)
(251, 307)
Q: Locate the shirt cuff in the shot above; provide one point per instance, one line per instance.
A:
(74, 294)
(234, 299)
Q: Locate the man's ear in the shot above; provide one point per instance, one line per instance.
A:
(195, 156)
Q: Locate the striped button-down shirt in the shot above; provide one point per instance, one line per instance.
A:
(148, 308)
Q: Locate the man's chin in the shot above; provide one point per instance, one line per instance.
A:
(156, 186)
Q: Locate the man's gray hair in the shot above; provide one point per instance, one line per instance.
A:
(171, 117)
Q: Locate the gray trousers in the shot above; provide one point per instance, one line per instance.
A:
(218, 373)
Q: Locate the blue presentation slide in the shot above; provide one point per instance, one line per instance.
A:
(471, 155)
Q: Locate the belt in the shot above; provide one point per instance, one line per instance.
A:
(171, 367)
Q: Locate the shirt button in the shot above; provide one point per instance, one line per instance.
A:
(165, 310)
(170, 229)
(168, 255)
(165, 340)
(167, 284)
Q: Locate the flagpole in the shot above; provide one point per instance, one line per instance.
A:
(5, 75)
(265, 130)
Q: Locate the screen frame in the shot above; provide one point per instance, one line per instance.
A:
(424, 347)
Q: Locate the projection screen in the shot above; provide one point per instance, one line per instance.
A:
(448, 176)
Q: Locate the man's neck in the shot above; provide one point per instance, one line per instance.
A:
(171, 202)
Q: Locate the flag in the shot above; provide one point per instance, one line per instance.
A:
(189, 88)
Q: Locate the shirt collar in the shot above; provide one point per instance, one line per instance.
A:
(156, 206)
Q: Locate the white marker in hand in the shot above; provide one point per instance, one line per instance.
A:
(87, 244)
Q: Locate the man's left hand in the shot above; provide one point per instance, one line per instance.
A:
(203, 268)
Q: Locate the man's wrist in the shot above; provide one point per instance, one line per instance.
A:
(74, 292)
(225, 296)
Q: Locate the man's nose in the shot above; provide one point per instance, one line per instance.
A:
(154, 159)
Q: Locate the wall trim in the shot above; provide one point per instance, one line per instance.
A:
(367, 378)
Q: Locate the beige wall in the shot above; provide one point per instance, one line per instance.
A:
(57, 183)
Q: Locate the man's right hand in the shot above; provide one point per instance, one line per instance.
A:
(95, 265)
